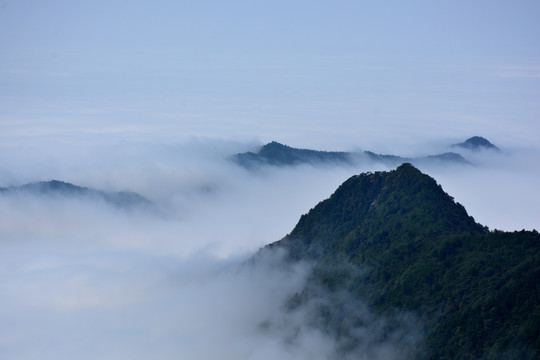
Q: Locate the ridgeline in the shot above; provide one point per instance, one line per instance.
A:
(276, 154)
(121, 199)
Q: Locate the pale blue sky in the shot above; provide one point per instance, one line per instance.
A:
(324, 74)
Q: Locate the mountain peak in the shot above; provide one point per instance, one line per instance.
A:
(409, 169)
(477, 143)
(275, 144)
(275, 149)
(384, 207)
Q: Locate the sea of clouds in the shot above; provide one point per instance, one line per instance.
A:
(82, 279)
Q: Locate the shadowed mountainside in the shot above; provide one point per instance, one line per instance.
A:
(398, 243)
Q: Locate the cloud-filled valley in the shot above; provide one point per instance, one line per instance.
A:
(81, 278)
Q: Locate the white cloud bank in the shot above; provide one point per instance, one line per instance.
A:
(81, 279)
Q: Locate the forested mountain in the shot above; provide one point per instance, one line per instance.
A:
(277, 154)
(122, 199)
(398, 243)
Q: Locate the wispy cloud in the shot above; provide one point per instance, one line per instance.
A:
(530, 72)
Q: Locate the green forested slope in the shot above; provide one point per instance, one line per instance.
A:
(397, 241)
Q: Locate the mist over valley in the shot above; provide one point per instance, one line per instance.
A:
(167, 275)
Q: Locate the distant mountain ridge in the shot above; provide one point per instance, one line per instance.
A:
(276, 154)
(122, 199)
(396, 241)
(476, 143)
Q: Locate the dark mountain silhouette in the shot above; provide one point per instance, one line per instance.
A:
(123, 199)
(277, 154)
(393, 160)
(398, 243)
(390, 160)
(476, 143)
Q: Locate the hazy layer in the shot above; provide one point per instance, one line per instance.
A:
(82, 279)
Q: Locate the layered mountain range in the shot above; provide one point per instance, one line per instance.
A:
(276, 154)
(398, 243)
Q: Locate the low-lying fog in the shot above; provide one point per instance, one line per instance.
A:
(81, 279)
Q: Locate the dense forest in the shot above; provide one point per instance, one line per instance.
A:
(398, 243)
